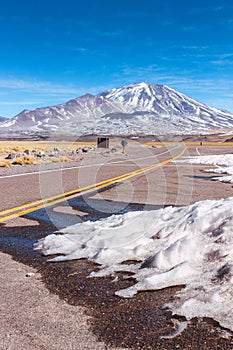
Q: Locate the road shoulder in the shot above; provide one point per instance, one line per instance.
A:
(32, 318)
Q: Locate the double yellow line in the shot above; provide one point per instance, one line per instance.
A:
(43, 203)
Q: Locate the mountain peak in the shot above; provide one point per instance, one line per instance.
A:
(146, 84)
(142, 84)
(87, 96)
(143, 94)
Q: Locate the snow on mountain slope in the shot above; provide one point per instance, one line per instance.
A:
(142, 108)
(2, 119)
(165, 101)
(75, 114)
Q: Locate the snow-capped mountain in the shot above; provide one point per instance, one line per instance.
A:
(2, 119)
(142, 108)
(167, 103)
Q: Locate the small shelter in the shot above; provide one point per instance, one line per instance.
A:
(103, 142)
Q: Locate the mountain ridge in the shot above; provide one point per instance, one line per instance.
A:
(143, 108)
(3, 119)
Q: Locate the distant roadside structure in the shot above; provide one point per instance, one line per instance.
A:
(102, 142)
(123, 144)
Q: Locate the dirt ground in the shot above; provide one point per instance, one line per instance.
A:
(33, 318)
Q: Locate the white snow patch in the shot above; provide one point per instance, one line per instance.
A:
(226, 179)
(224, 170)
(190, 246)
(219, 159)
(223, 162)
(8, 123)
(179, 327)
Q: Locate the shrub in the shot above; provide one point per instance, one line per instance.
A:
(64, 159)
(28, 160)
(4, 163)
(55, 160)
(17, 161)
(61, 159)
(16, 148)
(24, 160)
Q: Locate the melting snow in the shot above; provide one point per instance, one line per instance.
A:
(220, 159)
(191, 246)
(224, 164)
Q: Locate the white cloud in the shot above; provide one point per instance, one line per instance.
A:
(215, 92)
(20, 103)
(110, 33)
(17, 94)
(191, 29)
(37, 86)
(222, 62)
(203, 10)
(81, 49)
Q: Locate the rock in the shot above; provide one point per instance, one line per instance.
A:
(11, 156)
(30, 274)
(40, 154)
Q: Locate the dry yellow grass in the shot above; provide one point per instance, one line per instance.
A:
(29, 160)
(55, 160)
(20, 146)
(17, 161)
(61, 159)
(16, 149)
(69, 148)
(24, 160)
(64, 159)
(4, 163)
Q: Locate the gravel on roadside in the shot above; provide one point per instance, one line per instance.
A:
(32, 318)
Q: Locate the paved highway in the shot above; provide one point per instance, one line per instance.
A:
(25, 193)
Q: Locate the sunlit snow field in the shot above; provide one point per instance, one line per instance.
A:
(191, 246)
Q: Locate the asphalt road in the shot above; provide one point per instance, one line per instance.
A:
(163, 184)
(21, 188)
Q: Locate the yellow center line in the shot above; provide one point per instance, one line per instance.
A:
(43, 203)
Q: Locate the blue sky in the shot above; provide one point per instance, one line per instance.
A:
(55, 50)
